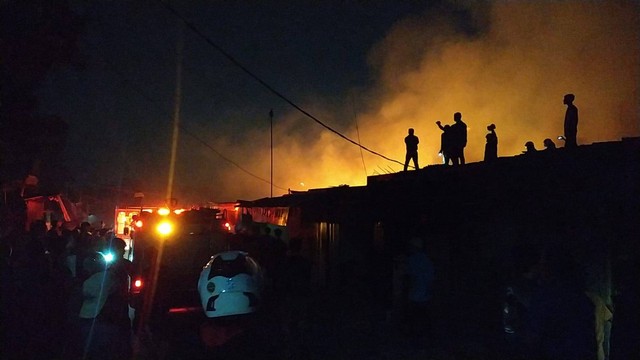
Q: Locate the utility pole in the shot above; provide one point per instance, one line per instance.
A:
(271, 181)
(176, 115)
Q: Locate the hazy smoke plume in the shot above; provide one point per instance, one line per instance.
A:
(513, 73)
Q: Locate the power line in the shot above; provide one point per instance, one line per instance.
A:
(227, 159)
(185, 130)
(263, 83)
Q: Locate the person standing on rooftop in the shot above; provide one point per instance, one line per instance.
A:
(491, 147)
(459, 130)
(570, 122)
(411, 141)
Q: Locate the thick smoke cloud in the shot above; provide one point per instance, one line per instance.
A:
(513, 73)
(515, 76)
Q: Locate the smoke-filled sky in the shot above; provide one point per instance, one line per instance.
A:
(367, 71)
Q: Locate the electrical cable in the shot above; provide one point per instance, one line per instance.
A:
(197, 31)
(203, 142)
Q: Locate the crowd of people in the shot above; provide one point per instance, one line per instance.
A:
(453, 139)
(65, 293)
(549, 310)
(62, 299)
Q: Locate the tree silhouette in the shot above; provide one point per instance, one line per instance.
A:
(37, 37)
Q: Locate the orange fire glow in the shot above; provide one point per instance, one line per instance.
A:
(513, 75)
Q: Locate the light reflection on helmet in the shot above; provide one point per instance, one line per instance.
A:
(230, 284)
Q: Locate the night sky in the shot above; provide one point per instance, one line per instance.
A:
(367, 71)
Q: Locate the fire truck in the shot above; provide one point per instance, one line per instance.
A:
(168, 249)
(129, 219)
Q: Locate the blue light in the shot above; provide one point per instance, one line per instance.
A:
(108, 257)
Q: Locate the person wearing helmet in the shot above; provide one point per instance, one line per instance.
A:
(231, 283)
(230, 288)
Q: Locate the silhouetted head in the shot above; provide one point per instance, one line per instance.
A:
(549, 144)
(568, 99)
(93, 263)
(410, 131)
(446, 127)
(530, 146)
(491, 127)
(117, 246)
(457, 117)
(85, 226)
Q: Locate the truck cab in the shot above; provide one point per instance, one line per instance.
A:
(168, 254)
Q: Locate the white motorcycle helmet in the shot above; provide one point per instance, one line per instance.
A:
(230, 284)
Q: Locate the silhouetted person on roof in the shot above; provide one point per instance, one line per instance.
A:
(549, 144)
(445, 143)
(491, 147)
(459, 136)
(412, 150)
(570, 122)
(530, 148)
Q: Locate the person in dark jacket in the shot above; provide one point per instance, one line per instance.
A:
(570, 122)
(411, 141)
(446, 149)
(459, 130)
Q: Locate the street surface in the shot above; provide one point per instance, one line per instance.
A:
(333, 331)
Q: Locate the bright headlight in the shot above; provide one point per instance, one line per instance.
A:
(164, 228)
